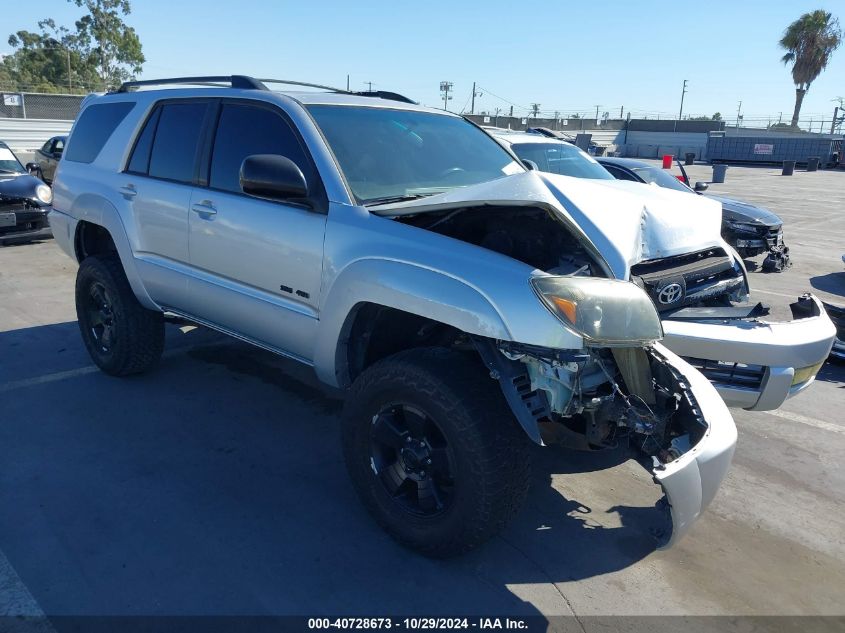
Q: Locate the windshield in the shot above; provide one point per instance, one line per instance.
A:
(661, 178)
(9, 163)
(389, 155)
(561, 158)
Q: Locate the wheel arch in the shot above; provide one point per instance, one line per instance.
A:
(99, 223)
(420, 295)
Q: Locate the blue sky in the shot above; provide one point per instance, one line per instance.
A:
(564, 56)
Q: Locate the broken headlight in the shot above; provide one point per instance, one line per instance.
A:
(605, 312)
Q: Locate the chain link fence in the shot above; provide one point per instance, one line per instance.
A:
(33, 105)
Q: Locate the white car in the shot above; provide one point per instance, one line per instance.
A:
(669, 243)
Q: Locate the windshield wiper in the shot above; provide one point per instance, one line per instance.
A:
(374, 202)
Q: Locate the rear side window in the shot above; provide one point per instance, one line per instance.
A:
(176, 140)
(244, 130)
(140, 161)
(94, 128)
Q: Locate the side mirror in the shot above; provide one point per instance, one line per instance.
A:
(530, 164)
(701, 186)
(272, 176)
(32, 168)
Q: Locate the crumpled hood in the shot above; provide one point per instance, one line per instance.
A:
(739, 211)
(625, 221)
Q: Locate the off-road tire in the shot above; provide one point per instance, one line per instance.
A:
(491, 451)
(138, 339)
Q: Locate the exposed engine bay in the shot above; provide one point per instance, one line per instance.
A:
(527, 234)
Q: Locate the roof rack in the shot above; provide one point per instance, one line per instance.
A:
(245, 82)
(235, 81)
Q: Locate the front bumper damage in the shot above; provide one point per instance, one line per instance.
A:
(755, 364)
(685, 437)
(691, 481)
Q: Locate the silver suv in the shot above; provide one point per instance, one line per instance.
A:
(408, 258)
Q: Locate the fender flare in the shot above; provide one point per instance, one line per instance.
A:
(404, 286)
(97, 210)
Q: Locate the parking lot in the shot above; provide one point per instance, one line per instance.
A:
(215, 485)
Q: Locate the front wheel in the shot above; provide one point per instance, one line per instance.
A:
(121, 335)
(433, 450)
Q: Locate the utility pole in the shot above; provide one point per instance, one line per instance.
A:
(683, 92)
(369, 86)
(535, 109)
(837, 120)
(738, 115)
(622, 112)
(445, 88)
(474, 95)
(597, 113)
(347, 83)
(496, 122)
(557, 119)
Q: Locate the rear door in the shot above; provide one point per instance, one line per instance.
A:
(157, 182)
(257, 263)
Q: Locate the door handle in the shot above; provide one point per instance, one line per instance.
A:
(128, 191)
(204, 208)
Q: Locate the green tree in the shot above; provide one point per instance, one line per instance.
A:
(107, 42)
(102, 52)
(717, 116)
(809, 42)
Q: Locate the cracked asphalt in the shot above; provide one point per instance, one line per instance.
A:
(215, 485)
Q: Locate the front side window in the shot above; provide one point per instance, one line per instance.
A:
(620, 174)
(177, 138)
(59, 146)
(661, 178)
(245, 130)
(561, 158)
(390, 154)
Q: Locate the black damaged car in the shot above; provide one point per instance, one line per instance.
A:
(750, 229)
(24, 202)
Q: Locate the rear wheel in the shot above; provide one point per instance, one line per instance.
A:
(121, 335)
(434, 451)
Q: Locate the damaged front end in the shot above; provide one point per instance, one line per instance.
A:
(622, 389)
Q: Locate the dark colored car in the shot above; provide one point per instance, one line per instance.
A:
(47, 158)
(837, 315)
(751, 230)
(24, 201)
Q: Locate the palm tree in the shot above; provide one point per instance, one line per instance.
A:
(809, 42)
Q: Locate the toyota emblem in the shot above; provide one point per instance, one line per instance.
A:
(670, 294)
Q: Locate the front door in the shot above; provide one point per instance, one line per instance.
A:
(256, 263)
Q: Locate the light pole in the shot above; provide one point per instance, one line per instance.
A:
(683, 92)
(445, 89)
(738, 115)
(475, 94)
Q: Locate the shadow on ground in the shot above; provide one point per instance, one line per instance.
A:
(215, 485)
(834, 283)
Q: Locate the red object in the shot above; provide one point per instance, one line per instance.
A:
(667, 161)
(681, 178)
